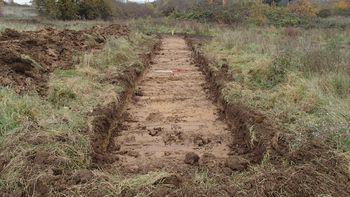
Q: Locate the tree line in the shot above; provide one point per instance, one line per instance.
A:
(222, 10)
(75, 9)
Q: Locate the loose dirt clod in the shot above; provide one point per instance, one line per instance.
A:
(27, 58)
(191, 158)
(236, 163)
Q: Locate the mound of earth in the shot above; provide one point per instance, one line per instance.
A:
(27, 58)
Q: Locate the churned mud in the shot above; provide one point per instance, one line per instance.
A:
(27, 58)
(171, 123)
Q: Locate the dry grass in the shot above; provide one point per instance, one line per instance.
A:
(300, 79)
(40, 135)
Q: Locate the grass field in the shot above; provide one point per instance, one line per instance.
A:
(289, 84)
(299, 77)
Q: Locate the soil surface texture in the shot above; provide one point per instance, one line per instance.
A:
(171, 123)
(27, 58)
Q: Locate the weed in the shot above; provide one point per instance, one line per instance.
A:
(204, 181)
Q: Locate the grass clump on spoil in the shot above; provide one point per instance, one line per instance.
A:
(299, 79)
(45, 143)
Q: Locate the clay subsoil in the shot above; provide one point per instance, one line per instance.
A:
(171, 122)
(27, 58)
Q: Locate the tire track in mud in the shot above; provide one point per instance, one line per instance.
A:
(171, 115)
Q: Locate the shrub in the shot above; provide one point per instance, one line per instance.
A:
(253, 11)
(67, 9)
(281, 16)
(71, 9)
(92, 9)
(303, 8)
(341, 5)
(325, 13)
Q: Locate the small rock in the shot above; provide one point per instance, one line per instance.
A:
(158, 129)
(191, 158)
(200, 141)
(82, 176)
(138, 92)
(153, 132)
(236, 163)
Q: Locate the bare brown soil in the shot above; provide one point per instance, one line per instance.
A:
(27, 58)
(171, 123)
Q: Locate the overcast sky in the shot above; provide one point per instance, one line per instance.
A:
(28, 1)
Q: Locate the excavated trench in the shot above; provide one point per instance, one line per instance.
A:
(171, 119)
(171, 124)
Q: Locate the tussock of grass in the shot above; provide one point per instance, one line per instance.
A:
(204, 181)
(141, 181)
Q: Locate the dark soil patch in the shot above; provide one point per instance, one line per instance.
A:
(27, 58)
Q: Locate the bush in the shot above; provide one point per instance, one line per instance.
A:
(325, 13)
(303, 8)
(67, 9)
(71, 9)
(92, 9)
(281, 16)
(253, 11)
(342, 5)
